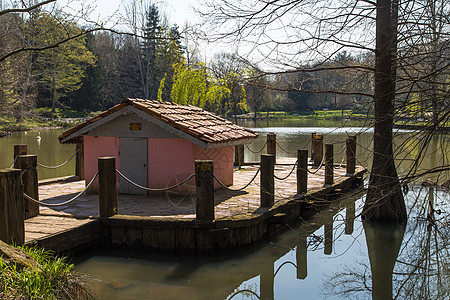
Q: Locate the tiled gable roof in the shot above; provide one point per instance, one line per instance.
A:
(191, 120)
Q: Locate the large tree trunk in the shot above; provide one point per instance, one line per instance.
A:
(384, 202)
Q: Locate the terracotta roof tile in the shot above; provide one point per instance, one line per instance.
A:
(190, 119)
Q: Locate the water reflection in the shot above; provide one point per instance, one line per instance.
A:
(330, 254)
(406, 261)
(383, 243)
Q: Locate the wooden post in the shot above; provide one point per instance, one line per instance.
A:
(107, 191)
(266, 279)
(350, 143)
(312, 145)
(328, 232)
(272, 144)
(301, 255)
(21, 149)
(329, 164)
(302, 171)
(239, 155)
(79, 161)
(317, 154)
(349, 217)
(204, 184)
(28, 165)
(267, 180)
(12, 216)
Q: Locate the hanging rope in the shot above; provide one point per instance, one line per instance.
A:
(58, 166)
(285, 263)
(240, 189)
(14, 162)
(290, 173)
(255, 152)
(152, 189)
(342, 162)
(62, 203)
(244, 292)
(284, 149)
(318, 168)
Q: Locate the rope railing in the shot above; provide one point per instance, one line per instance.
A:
(284, 150)
(246, 291)
(290, 173)
(14, 162)
(58, 166)
(282, 265)
(240, 189)
(256, 152)
(154, 189)
(62, 203)
(342, 162)
(318, 168)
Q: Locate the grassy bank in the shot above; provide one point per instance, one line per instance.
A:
(42, 118)
(53, 278)
(307, 115)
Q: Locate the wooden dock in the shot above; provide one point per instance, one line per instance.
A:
(263, 199)
(167, 222)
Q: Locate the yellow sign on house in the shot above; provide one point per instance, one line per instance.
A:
(135, 126)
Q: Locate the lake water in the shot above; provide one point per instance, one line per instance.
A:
(48, 150)
(326, 257)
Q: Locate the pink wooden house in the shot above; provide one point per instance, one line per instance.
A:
(156, 143)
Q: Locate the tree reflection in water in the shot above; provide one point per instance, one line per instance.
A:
(419, 251)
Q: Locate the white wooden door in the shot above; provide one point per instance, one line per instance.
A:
(133, 164)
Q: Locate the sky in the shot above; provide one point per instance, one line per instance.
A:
(177, 11)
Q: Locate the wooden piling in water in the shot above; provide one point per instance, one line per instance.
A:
(302, 171)
(107, 191)
(329, 164)
(350, 144)
(266, 279)
(204, 184)
(317, 153)
(328, 232)
(21, 149)
(301, 255)
(267, 180)
(272, 144)
(12, 216)
(28, 165)
(349, 217)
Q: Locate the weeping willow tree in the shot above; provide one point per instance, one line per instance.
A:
(195, 85)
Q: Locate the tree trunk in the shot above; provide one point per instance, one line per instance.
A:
(384, 202)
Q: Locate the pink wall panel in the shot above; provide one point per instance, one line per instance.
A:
(95, 147)
(223, 162)
(170, 162)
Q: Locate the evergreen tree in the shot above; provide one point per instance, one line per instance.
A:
(148, 66)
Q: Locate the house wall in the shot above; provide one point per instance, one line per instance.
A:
(170, 161)
(95, 147)
(223, 162)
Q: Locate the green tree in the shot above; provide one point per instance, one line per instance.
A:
(61, 69)
(195, 86)
(14, 71)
